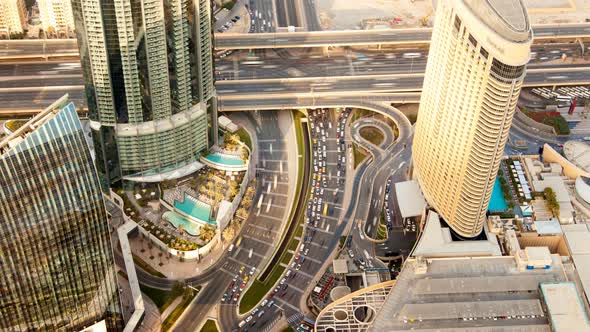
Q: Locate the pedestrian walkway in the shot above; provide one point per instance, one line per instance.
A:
(171, 266)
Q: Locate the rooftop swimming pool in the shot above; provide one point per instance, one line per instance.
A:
(177, 220)
(195, 208)
(227, 160)
(497, 202)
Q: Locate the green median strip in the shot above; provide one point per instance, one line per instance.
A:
(261, 286)
(210, 326)
(187, 298)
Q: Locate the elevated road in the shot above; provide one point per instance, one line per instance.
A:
(370, 37)
(28, 95)
(57, 48)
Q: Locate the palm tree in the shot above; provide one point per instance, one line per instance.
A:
(242, 213)
(233, 191)
(207, 233)
(247, 203)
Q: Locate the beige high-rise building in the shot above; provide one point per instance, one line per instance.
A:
(56, 17)
(13, 18)
(476, 66)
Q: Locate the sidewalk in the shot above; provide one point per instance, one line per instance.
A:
(172, 267)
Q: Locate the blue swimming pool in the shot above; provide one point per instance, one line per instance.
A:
(225, 159)
(177, 220)
(497, 202)
(195, 208)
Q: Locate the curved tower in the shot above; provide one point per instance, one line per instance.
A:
(148, 80)
(476, 66)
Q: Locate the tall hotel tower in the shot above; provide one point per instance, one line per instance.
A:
(476, 66)
(57, 271)
(148, 78)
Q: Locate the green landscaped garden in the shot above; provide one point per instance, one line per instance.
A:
(244, 137)
(553, 119)
(359, 154)
(210, 326)
(187, 297)
(260, 287)
(372, 135)
(163, 298)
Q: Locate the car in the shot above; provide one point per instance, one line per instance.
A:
(242, 269)
(270, 304)
(235, 289)
(306, 251)
(252, 270)
(285, 286)
(288, 274)
(246, 278)
(231, 284)
(350, 253)
(293, 264)
(249, 319)
(283, 281)
(261, 313)
(224, 297)
(362, 261)
(236, 296)
(298, 267)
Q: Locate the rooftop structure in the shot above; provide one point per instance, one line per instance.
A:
(578, 153)
(465, 294)
(577, 238)
(556, 183)
(436, 241)
(565, 309)
(583, 190)
(476, 67)
(410, 198)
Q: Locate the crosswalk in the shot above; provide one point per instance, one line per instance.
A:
(295, 319)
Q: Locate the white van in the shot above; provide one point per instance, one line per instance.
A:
(242, 323)
(231, 247)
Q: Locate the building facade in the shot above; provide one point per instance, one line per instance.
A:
(476, 66)
(148, 76)
(57, 270)
(13, 18)
(56, 17)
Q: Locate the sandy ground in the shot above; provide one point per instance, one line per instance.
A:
(349, 14)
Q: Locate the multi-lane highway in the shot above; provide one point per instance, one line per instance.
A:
(263, 23)
(370, 37)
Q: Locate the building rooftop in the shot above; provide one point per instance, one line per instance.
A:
(508, 18)
(10, 141)
(436, 241)
(578, 153)
(410, 199)
(564, 306)
(461, 294)
(577, 238)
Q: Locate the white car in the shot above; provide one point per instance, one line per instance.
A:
(249, 319)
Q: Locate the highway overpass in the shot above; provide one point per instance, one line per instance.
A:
(370, 37)
(58, 48)
(26, 97)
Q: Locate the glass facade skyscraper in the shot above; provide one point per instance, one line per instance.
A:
(57, 271)
(148, 77)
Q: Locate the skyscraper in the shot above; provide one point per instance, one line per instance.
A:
(149, 84)
(476, 66)
(13, 18)
(56, 17)
(56, 263)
